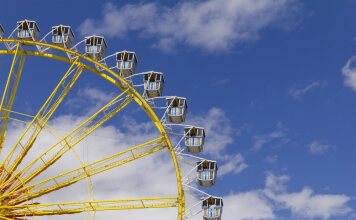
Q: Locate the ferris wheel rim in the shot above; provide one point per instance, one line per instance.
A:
(119, 82)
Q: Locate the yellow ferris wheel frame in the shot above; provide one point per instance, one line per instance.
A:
(114, 78)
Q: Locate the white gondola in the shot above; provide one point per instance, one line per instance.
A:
(95, 47)
(207, 172)
(62, 36)
(27, 30)
(1, 31)
(126, 63)
(177, 109)
(194, 139)
(212, 208)
(153, 84)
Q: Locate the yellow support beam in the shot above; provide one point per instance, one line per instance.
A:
(33, 129)
(68, 178)
(56, 151)
(10, 91)
(29, 210)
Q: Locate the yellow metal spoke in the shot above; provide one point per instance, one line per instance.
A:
(19, 117)
(92, 206)
(18, 120)
(56, 151)
(10, 91)
(28, 137)
(65, 179)
(19, 113)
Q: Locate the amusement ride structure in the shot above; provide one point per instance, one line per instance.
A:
(21, 187)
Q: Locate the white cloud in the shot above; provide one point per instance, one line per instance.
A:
(235, 165)
(218, 81)
(262, 204)
(260, 140)
(219, 135)
(271, 158)
(276, 183)
(219, 132)
(298, 93)
(318, 147)
(305, 203)
(250, 205)
(88, 100)
(349, 72)
(212, 25)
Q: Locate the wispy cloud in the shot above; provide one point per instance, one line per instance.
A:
(319, 147)
(271, 158)
(220, 82)
(219, 135)
(250, 205)
(304, 204)
(299, 92)
(88, 100)
(260, 140)
(212, 25)
(235, 165)
(349, 72)
(219, 131)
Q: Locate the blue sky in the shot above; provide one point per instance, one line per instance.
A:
(277, 78)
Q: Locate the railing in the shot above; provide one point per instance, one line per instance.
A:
(193, 142)
(92, 49)
(152, 86)
(24, 34)
(124, 64)
(176, 111)
(57, 39)
(212, 212)
(206, 175)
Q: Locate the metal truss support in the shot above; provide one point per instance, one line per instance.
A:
(56, 151)
(10, 91)
(33, 129)
(33, 209)
(68, 178)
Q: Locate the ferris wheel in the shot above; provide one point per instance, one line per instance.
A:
(26, 174)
